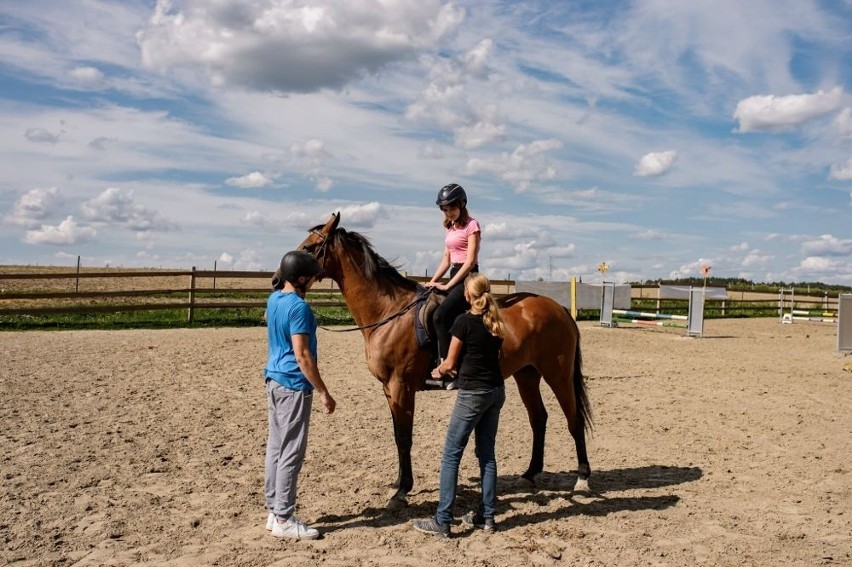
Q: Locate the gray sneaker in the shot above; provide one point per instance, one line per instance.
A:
(430, 526)
(477, 521)
(294, 528)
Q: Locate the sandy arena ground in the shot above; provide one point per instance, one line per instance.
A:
(146, 448)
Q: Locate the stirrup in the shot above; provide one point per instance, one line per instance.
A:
(438, 383)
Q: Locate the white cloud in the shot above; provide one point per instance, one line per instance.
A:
(691, 269)
(258, 219)
(225, 258)
(363, 216)
(322, 184)
(527, 163)
(475, 61)
(841, 172)
(655, 163)
(309, 157)
(446, 102)
(117, 207)
(292, 46)
(777, 113)
(66, 232)
(827, 245)
(816, 267)
(431, 150)
(562, 251)
(843, 123)
(90, 75)
(312, 149)
(651, 234)
(485, 130)
(251, 180)
(756, 259)
(507, 231)
(34, 206)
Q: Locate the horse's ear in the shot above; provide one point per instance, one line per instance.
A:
(335, 220)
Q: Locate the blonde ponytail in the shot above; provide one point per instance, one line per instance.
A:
(483, 303)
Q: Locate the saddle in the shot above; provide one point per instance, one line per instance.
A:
(424, 328)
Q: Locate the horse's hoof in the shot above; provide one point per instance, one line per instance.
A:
(397, 503)
(582, 486)
(524, 482)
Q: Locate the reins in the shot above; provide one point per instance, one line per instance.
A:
(388, 319)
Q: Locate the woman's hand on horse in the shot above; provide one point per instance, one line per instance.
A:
(436, 285)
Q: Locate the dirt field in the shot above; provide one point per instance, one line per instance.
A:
(146, 447)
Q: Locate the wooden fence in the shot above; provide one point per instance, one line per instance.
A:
(93, 291)
(116, 290)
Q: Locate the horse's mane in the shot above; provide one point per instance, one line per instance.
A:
(375, 267)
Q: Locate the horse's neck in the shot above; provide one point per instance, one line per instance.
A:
(365, 298)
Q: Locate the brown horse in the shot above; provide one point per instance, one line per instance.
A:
(542, 340)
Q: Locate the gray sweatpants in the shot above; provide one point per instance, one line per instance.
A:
(289, 417)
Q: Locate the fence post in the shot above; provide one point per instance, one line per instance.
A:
(190, 316)
(77, 279)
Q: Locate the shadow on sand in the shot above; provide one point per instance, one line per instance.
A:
(549, 487)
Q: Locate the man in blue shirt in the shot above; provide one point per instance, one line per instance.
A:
(292, 377)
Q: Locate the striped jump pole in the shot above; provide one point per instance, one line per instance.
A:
(648, 315)
(815, 313)
(649, 323)
(811, 319)
(809, 315)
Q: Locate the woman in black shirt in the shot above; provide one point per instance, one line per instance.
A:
(477, 336)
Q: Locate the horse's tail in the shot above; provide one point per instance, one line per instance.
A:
(581, 398)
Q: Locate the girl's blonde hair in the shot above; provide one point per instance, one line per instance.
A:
(483, 303)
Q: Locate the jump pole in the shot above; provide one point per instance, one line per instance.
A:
(810, 315)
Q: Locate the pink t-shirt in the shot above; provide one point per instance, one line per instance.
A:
(456, 240)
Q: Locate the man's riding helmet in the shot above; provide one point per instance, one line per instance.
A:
(452, 193)
(298, 263)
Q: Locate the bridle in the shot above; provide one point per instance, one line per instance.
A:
(322, 250)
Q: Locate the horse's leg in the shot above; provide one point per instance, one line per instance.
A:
(561, 380)
(400, 398)
(528, 380)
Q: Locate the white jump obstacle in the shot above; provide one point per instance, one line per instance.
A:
(810, 315)
(693, 322)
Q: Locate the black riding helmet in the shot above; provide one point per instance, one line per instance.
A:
(451, 193)
(296, 264)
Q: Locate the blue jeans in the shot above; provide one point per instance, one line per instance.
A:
(475, 411)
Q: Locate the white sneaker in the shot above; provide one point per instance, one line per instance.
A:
(270, 522)
(294, 528)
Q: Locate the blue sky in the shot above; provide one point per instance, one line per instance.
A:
(653, 135)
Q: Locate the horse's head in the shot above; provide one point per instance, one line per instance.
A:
(318, 241)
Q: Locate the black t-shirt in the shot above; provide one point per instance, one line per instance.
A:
(480, 354)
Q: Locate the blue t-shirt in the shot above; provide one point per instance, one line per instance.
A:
(287, 314)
